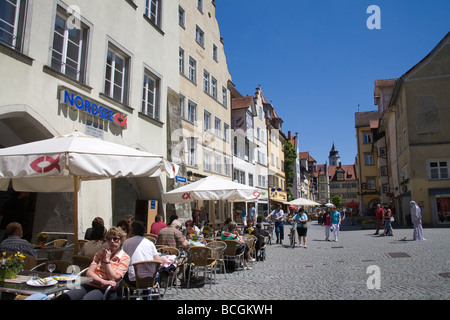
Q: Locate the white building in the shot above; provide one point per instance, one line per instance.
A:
(119, 61)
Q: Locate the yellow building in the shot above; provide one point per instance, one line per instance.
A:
(204, 100)
(275, 153)
(367, 162)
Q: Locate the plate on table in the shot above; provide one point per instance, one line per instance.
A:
(42, 282)
(65, 277)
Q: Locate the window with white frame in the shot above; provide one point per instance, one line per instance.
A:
(207, 120)
(215, 53)
(206, 81)
(192, 70)
(369, 161)
(239, 176)
(226, 132)
(250, 180)
(191, 151)
(182, 102)
(69, 49)
(224, 97)
(200, 36)
(367, 137)
(12, 23)
(218, 127)
(181, 17)
(438, 170)
(213, 87)
(181, 60)
(116, 77)
(207, 160)
(217, 163)
(192, 112)
(261, 181)
(153, 11)
(371, 183)
(150, 98)
(227, 166)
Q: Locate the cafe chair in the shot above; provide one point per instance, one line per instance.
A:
(218, 249)
(150, 236)
(169, 273)
(146, 273)
(59, 243)
(82, 262)
(250, 240)
(230, 254)
(61, 266)
(261, 249)
(200, 261)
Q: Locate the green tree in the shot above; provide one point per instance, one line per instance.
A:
(290, 155)
(336, 200)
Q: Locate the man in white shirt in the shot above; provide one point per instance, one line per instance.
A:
(139, 249)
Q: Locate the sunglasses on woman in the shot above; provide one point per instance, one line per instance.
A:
(115, 239)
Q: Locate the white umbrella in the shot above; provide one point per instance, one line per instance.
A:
(303, 202)
(58, 164)
(329, 205)
(212, 188)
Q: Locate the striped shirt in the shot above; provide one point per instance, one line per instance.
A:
(119, 263)
(170, 237)
(15, 243)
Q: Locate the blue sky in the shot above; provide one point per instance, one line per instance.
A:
(317, 60)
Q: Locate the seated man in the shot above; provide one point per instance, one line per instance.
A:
(157, 225)
(171, 236)
(139, 249)
(14, 242)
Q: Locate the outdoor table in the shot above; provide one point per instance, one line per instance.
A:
(49, 251)
(20, 286)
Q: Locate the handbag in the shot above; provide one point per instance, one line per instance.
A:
(392, 219)
(304, 225)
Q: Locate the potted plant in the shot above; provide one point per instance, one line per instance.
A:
(11, 266)
(259, 218)
(42, 238)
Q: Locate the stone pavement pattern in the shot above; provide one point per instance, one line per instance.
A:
(338, 270)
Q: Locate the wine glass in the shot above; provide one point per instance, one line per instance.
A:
(51, 267)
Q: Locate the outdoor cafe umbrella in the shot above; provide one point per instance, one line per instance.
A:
(60, 163)
(212, 188)
(303, 202)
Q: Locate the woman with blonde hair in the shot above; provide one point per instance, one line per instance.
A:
(108, 266)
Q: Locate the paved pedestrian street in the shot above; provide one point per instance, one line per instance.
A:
(360, 266)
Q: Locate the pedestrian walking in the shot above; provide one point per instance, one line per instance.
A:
(335, 222)
(302, 226)
(278, 216)
(416, 216)
(387, 223)
(378, 218)
(326, 223)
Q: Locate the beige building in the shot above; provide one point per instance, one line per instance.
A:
(204, 102)
(116, 63)
(416, 131)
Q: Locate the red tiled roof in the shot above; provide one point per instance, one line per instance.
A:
(241, 103)
(349, 171)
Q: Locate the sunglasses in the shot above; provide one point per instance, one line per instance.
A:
(115, 239)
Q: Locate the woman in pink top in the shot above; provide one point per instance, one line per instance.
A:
(327, 224)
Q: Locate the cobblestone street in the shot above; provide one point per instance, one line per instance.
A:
(339, 270)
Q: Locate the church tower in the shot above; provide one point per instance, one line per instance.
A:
(334, 159)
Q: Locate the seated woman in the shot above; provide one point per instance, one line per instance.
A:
(192, 232)
(108, 267)
(96, 243)
(233, 234)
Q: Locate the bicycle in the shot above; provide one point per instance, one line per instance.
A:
(292, 235)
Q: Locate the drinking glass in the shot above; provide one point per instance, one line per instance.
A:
(51, 267)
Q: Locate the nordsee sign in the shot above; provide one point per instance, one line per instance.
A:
(85, 105)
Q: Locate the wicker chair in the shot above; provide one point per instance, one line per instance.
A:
(146, 285)
(230, 253)
(218, 249)
(200, 261)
